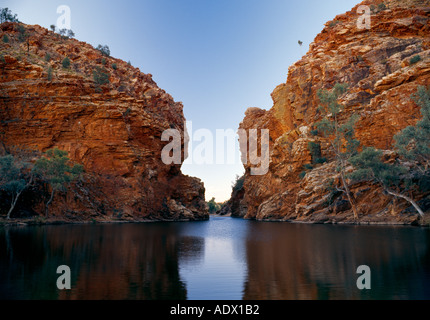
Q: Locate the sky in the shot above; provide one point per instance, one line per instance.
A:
(218, 57)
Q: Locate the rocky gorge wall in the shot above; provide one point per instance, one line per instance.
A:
(112, 129)
(376, 65)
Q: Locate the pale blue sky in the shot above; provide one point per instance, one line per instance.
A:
(218, 57)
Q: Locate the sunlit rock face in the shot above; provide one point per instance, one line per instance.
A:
(376, 65)
(113, 129)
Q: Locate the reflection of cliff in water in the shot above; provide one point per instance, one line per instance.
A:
(106, 261)
(320, 262)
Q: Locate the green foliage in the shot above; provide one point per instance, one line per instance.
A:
(10, 174)
(127, 112)
(70, 34)
(104, 50)
(238, 183)
(100, 76)
(5, 39)
(340, 134)
(369, 166)
(54, 168)
(66, 63)
(308, 166)
(15, 177)
(413, 142)
(333, 193)
(22, 34)
(213, 206)
(52, 27)
(315, 150)
(314, 132)
(49, 73)
(415, 59)
(321, 160)
(334, 23)
(66, 33)
(6, 15)
(114, 66)
(302, 174)
(63, 33)
(382, 6)
(47, 57)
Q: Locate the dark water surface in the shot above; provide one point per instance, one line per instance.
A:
(223, 258)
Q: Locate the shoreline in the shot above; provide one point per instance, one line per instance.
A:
(416, 223)
(38, 221)
(41, 221)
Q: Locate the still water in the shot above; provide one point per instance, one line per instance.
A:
(224, 258)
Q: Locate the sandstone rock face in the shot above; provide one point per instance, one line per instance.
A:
(376, 65)
(113, 129)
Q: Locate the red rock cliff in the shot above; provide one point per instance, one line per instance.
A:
(114, 129)
(375, 63)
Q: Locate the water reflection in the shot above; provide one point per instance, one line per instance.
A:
(291, 261)
(223, 258)
(107, 262)
(219, 273)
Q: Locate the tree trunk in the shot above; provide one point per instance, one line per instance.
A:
(13, 204)
(15, 200)
(351, 201)
(49, 202)
(411, 201)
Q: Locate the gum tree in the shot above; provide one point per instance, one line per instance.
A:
(393, 178)
(399, 179)
(15, 177)
(340, 134)
(413, 143)
(104, 50)
(6, 15)
(56, 170)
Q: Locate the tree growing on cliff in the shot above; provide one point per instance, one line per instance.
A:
(24, 36)
(56, 170)
(394, 178)
(49, 73)
(104, 50)
(401, 178)
(237, 184)
(15, 177)
(413, 143)
(340, 133)
(66, 63)
(6, 15)
(101, 77)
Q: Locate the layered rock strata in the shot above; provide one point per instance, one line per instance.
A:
(377, 65)
(113, 128)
